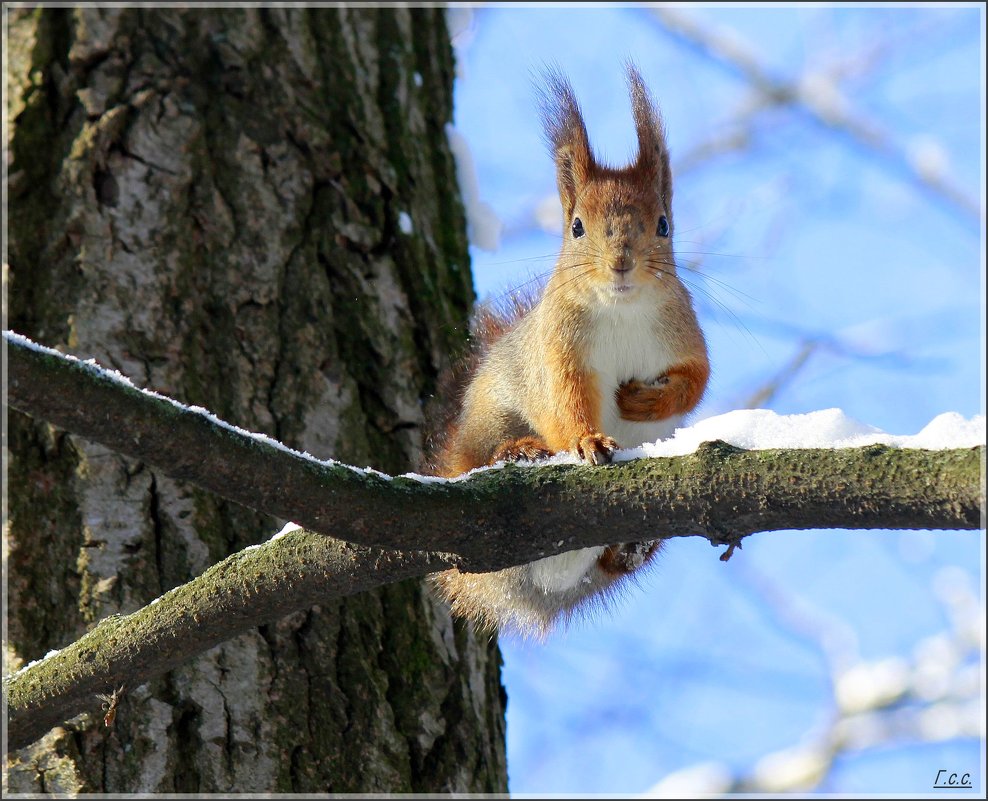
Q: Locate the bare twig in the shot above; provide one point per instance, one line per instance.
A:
(764, 395)
(930, 695)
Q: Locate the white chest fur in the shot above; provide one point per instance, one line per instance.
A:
(627, 343)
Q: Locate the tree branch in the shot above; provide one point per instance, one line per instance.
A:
(497, 518)
(492, 520)
(258, 585)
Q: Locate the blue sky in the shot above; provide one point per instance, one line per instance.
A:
(803, 236)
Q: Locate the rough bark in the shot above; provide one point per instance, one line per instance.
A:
(209, 202)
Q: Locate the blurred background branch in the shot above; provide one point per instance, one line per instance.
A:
(819, 95)
(932, 694)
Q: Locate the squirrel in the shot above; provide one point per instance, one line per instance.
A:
(611, 355)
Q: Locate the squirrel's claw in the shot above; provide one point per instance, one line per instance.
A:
(596, 448)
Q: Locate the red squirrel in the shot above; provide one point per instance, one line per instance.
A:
(611, 355)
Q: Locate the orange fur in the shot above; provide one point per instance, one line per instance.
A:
(444, 454)
(576, 415)
(676, 391)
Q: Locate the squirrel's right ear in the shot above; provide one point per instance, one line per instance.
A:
(566, 134)
(652, 163)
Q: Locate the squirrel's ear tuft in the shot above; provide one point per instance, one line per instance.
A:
(653, 154)
(566, 135)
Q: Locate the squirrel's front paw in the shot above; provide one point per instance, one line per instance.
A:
(637, 400)
(524, 448)
(646, 400)
(595, 448)
(676, 391)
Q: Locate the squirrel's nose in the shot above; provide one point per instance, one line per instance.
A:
(624, 262)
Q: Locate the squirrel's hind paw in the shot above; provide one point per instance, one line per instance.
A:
(617, 560)
(524, 448)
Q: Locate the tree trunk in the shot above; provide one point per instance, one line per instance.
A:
(254, 211)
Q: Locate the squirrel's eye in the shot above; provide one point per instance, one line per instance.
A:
(578, 228)
(663, 227)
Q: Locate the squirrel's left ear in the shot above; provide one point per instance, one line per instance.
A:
(566, 135)
(653, 155)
